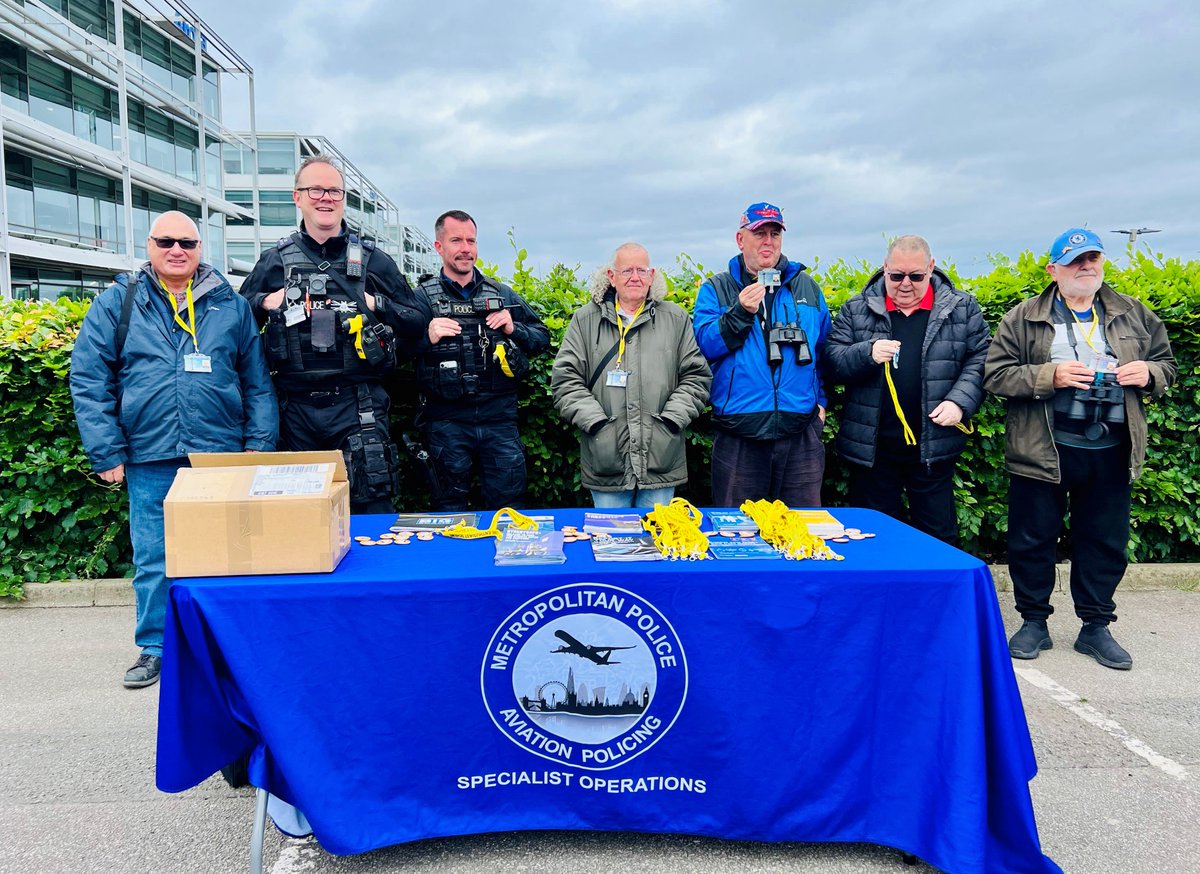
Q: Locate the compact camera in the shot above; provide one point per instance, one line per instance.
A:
(792, 335)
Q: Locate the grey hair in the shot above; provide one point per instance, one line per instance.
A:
(318, 159)
(910, 243)
(612, 262)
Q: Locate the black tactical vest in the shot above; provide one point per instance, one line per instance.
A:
(319, 345)
(466, 365)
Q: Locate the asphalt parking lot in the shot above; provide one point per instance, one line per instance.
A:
(1118, 788)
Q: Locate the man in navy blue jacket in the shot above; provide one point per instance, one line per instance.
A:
(762, 326)
(188, 375)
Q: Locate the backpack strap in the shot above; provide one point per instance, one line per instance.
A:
(131, 286)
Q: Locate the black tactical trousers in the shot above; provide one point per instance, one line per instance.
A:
(326, 419)
(492, 448)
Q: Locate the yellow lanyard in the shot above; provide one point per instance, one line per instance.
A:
(623, 329)
(1095, 321)
(909, 438)
(190, 326)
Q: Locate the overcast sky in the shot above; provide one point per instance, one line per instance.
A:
(986, 128)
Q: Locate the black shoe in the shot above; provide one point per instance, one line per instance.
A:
(1030, 640)
(144, 672)
(1097, 641)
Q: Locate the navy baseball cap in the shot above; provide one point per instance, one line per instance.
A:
(759, 214)
(1073, 243)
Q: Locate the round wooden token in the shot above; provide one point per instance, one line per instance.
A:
(852, 531)
(841, 540)
(362, 539)
(745, 534)
(369, 542)
(583, 537)
(384, 542)
(567, 538)
(868, 534)
(424, 535)
(727, 533)
(855, 536)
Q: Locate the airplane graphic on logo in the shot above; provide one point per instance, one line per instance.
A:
(598, 654)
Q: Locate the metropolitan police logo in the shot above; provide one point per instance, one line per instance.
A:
(587, 675)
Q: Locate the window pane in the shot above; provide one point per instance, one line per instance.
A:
(20, 207)
(57, 212)
(109, 229)
(276, 157)
(277, 214)
(160, 155)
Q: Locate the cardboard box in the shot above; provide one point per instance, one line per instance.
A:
(235, 513)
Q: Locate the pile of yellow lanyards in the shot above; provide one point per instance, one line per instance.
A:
(676, 530)
(516, 520)
(786, 531)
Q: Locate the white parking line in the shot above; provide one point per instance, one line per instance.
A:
(296, 855)
(1092, 716)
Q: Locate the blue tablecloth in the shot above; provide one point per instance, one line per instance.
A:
(419, 691)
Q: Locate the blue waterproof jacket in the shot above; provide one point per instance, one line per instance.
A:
(145, 406)
(750, 398)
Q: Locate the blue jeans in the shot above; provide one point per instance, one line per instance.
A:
(148, 485)
(632, 498)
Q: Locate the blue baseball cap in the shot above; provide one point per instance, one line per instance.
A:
(1072, 243)
(759, 214)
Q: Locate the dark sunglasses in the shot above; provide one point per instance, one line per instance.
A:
(913, 277)
(168, 242)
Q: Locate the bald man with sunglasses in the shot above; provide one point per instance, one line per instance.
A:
(909, 349)
(168, 361)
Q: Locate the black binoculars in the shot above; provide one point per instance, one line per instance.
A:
(792, 335)
(1100, 405)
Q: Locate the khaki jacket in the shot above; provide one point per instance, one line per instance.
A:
(631, 437)
(1018, 368)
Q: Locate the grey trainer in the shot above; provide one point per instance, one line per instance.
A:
(144, 672)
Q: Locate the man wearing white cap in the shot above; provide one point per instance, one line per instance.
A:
(1076, 364)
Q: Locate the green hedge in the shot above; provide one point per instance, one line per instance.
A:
(57, 520)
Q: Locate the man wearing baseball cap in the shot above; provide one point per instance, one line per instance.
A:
(1076, 364)
(762, 326)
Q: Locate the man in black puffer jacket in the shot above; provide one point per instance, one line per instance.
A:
(909, 330)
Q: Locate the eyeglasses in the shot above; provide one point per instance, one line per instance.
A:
(316, 192)
(627, 272)
(914, 278)
(168, 242)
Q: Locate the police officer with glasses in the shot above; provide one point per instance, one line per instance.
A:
(336, 313)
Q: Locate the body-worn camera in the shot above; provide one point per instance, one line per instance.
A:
(312, 284)
(792, 335)
(1100, 405)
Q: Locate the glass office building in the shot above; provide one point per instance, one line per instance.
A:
(110, 113)
(279, 156)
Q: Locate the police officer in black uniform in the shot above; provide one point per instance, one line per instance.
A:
(335, 309)
(478, 340)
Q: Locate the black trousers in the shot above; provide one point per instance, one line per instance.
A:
(324, 419)
(1095, 491)
(492, 448)
(930, 491)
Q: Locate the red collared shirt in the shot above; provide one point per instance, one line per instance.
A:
(925, 304)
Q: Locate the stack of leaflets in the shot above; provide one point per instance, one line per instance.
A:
(625, 547)
(519, 546)
(433, 521)
(742, 547)
(612, 523)
(731, 520)
(821, 523)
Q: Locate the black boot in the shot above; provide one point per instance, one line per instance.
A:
(1030, 640)
(1097, 641)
